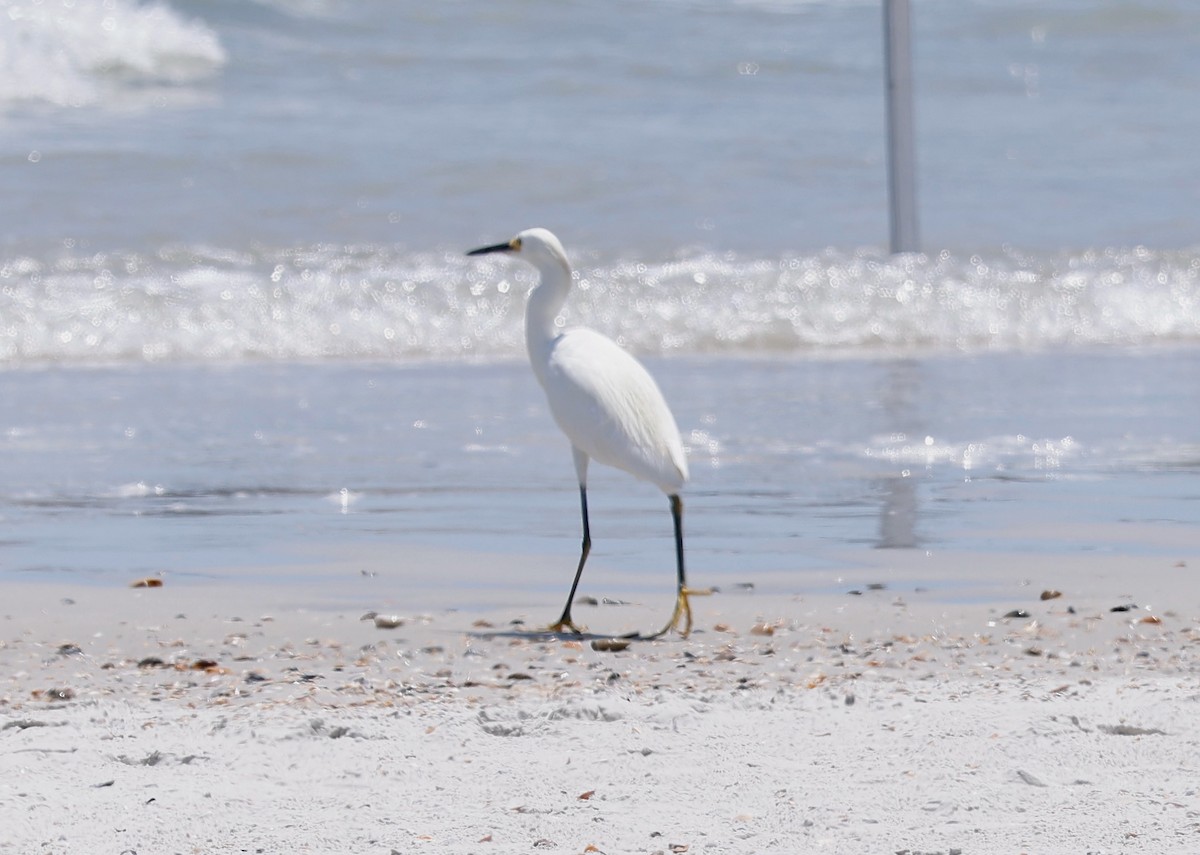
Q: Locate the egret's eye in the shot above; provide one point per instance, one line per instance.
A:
(515, 244)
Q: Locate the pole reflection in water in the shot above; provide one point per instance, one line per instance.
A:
(899, 512)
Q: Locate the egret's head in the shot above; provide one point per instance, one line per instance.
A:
(537, 246)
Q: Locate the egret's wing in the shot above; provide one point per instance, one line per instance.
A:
(611, 409)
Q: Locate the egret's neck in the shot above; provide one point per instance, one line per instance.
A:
(543, 307)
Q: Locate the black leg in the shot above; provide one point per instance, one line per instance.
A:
(677, 516)
(565, 621)
(681, 618)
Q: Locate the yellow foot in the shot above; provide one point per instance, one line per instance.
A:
(682, 613)
(566, 625)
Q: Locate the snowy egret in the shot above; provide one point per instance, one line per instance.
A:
(604, 400)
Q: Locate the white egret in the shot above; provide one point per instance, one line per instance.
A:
(604, 400)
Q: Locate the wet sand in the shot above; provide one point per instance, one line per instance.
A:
(871, 715)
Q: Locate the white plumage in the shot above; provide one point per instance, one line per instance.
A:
(602, 398)
(611, 408)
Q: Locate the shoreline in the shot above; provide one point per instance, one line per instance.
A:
(1060, 609)
(208, 717)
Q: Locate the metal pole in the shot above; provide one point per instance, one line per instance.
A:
(902, 181)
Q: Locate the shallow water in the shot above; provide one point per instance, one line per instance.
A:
(113, 473)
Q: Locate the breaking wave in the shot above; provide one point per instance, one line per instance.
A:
(83, 52)
(383, 303)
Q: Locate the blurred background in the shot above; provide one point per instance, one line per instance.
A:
(753, 126)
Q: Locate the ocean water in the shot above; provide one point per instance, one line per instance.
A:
(237, 328)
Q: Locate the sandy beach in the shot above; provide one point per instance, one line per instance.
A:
(871, 715)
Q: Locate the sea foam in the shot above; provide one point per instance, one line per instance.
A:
(385, 303)
(80, 52)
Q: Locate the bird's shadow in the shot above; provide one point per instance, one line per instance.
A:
(554, 635)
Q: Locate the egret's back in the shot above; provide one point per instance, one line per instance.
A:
(611, 409)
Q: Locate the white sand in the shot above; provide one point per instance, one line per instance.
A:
(820, 721)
